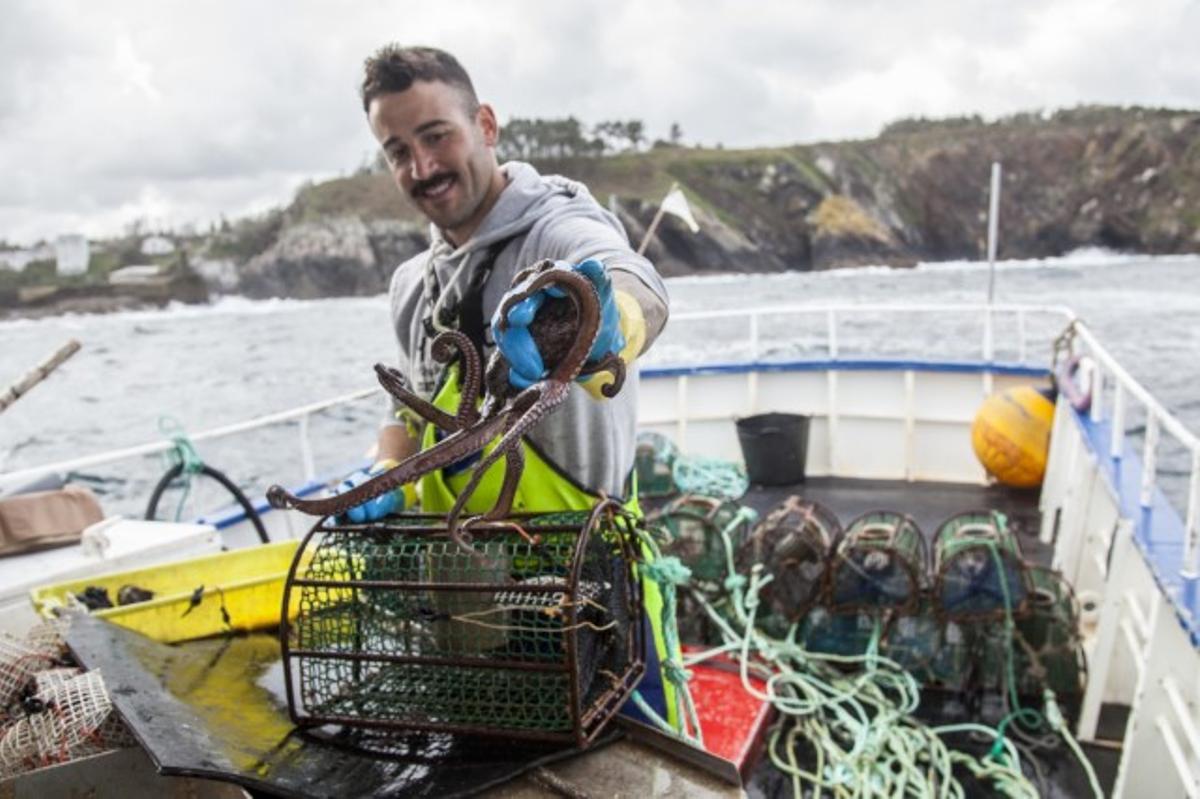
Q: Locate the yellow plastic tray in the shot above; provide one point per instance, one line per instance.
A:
(247, 582)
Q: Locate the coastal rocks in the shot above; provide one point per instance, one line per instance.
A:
(675, 250)
(340, 256)
(219, 274)
(845, 234)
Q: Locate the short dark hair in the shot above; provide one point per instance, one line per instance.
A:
(394, 69)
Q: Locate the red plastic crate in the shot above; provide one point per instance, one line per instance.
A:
(733, 721)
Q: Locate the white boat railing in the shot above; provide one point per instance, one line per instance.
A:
(834, 315)
(1124, 388)
(302, 413)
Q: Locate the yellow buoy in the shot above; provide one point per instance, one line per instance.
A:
(1011, 436)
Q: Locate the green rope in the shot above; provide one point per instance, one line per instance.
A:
(184, 452)
(854, 711)
(711, 477)
(668, 573)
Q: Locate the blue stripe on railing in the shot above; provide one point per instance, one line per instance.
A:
(848, 365)
(1159, 531)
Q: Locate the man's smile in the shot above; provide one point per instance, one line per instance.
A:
(435, 187)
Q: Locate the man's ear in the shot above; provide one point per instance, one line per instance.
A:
(485, 117)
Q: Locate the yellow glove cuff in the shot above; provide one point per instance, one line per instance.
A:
(632, 323)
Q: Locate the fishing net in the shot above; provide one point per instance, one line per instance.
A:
(932, 649)
(51, 713)
(694, 526)
(792, 543)
(978, 567)
(878, 564)
(528, 633)
(654, 462)
(19, 662)
(1048, 649)
(695, 529)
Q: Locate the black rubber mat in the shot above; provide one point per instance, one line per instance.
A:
(214, 708)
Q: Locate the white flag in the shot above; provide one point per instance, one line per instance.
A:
(675, 203)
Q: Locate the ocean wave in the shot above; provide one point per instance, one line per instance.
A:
(1082, 257)
(228, 305)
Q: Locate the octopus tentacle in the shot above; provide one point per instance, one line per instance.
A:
(449, 450)
(394, 383)
(444, 348)
(506, 414)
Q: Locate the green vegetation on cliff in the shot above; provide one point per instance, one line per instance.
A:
(1127, 179)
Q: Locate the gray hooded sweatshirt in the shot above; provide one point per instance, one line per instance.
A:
(591, 441)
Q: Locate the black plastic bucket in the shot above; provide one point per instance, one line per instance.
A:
(775, 447)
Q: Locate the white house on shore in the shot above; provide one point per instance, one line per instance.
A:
(72, 254)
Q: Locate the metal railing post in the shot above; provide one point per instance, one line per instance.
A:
(1096, 413)
(1149, 458)
(1116, 446)
(1191, 530)
(831, 340)
(306, 455)
(1021, 351)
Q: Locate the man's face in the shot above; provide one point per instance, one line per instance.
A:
(441, 155)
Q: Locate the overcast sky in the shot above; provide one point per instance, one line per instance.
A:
(177, 112)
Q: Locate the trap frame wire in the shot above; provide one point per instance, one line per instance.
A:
(535, 632)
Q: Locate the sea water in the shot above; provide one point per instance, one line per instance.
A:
(196, 367)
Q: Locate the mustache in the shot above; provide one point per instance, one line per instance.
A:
(419, 189)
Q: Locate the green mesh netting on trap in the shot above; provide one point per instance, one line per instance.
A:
(1047, 646)
(792, 543)
(978, 567)
(401, 626)
(879, 563)
(654, 461)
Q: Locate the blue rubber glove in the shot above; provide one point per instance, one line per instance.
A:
(373, 509)
(526, 365)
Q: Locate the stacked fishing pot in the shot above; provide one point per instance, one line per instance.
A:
(525, 633)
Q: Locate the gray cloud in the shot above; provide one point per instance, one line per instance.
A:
(179, 112)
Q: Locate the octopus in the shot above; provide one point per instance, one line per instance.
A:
(565, 330)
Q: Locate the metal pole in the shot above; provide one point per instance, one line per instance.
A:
(993, 227)
(38, 374)
(658, 215)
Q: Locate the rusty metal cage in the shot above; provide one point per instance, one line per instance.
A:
(531, 632)
(793, 543)
(694, 526)
(1046, 642)
(878, 564)
(653, 463)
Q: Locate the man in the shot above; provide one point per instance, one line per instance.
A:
(487, 222)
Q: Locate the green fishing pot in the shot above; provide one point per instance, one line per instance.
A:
(878, 565)
(978, 567)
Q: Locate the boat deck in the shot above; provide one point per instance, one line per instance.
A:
(272, 760)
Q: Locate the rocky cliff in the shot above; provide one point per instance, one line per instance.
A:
(1126, 179)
